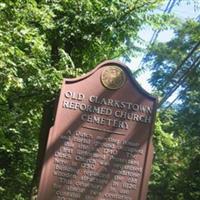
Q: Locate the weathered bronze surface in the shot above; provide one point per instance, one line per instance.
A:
(100, 146)
(113, 77)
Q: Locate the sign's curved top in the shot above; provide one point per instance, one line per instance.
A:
(113, 77)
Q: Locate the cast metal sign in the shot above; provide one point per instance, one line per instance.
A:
(100, 146)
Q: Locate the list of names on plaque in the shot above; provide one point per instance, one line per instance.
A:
(77, 161)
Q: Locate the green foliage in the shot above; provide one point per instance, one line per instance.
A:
(164, 58)
(40, 43)
(176, 171)
(176, 164)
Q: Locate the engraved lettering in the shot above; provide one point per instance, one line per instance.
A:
(74, 95)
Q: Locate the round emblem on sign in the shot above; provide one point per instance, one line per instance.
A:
(113, 77)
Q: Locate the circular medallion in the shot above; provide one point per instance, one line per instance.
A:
(113, 77)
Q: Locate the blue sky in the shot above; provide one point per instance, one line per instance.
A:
(184, 10)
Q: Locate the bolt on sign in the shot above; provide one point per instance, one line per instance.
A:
(100, 146)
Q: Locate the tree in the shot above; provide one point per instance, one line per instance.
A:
(42, 41)
(175, 173)
(175, 65)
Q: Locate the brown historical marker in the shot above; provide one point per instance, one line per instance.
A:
(100, 147)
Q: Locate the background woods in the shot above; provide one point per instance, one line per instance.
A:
(42, 41)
